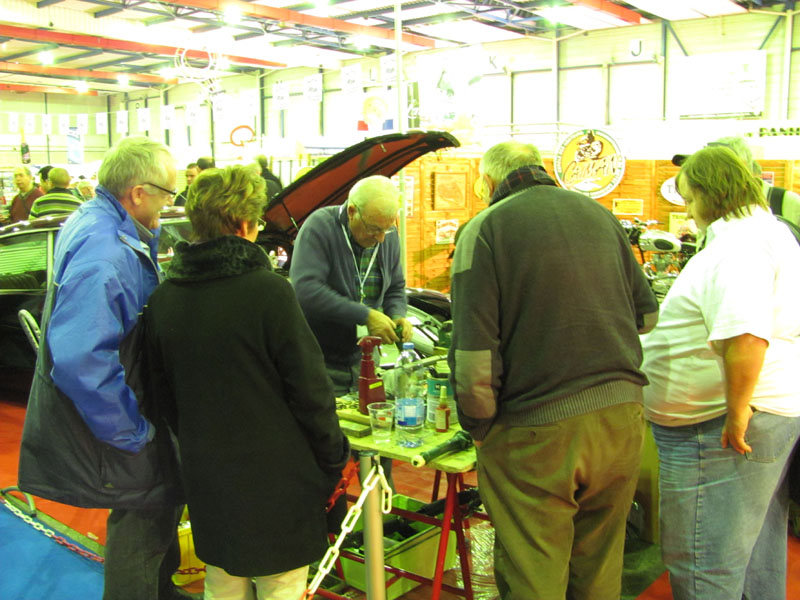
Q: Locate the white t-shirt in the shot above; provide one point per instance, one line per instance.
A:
(746, 280)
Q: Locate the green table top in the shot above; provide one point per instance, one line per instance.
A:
(458, 462)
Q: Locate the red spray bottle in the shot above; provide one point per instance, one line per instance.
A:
(370, 386)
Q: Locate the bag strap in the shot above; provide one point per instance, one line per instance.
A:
(775, 197)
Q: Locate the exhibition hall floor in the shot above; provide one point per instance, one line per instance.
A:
(33, 566)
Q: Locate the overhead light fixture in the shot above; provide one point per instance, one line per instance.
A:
(232, 15)
(46, 57)
(360, 42)
(167, 72)
(82, 87)
(581, 17)
(223, 63)
(679, 10)
(124, 80)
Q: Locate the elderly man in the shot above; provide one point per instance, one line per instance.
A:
(548, 301)
(347, 274)
(85, 441)
(85, 189)
(28, 193)
(59, 199)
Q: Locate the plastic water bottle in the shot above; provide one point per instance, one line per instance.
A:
(410, 404)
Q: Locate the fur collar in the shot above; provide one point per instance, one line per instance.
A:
(221, 257)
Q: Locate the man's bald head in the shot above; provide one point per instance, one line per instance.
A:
(58, 178)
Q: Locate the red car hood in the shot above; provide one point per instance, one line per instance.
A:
(330, 181)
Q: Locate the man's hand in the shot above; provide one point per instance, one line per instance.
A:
(408, 329)
(735, 429)
(380, 325)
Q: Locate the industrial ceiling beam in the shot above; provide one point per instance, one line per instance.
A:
(49, 71)
(626, 14)
(284, 15)
(74, 39)
(80, 56)
(43, 89)
(30, 52)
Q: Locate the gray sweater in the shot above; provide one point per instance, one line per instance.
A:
(546, 297)
(325, 280)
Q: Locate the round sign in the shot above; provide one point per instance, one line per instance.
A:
(670, 192)
(589, 161)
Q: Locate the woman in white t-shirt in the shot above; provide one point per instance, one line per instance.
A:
(723, 398)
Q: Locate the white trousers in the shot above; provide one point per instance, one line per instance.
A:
(289, 585)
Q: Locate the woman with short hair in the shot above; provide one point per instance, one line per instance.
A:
(242, 379)
(723, 398)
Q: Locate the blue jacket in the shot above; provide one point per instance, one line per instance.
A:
(85, 441)
(103, 276)
(323, 275)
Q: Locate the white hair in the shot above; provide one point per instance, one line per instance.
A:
(503, 158)
(376, 192)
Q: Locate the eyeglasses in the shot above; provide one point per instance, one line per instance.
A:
(260, 224)
(374, 230)
(171, 193)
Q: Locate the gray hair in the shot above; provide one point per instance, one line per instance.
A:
(133, 161)
(377, 192)
(503, 158)
(740, 149)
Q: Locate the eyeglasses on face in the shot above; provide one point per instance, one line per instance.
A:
(172, 193)
(373, 230)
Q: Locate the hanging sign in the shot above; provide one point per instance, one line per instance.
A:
(351, 79)
(122, 121)
(30, 123)
(13, 122)
(47, 124)
(389, 69)
(101, 123)
(63, 124)
(590, 162)
(83, 124)
(312, 87)
(167, 116)
(280, 95)
(143, 118)
(192, 114)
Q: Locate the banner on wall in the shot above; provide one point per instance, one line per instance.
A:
(589, 161)
(47, 124)
(74, 147)
(143, 118)
(122, 121)
(280, 95)
(13, 122)
(83, 123)
(192, 114)
(389, 69)
(30, 123)
(312, 88)
(101, 123)
(168, 116)
(63, 124)
(352, 80)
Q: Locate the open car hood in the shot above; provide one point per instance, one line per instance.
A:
(330, 181)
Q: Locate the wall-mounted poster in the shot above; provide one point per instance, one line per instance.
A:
(446, 231)
(589, 161)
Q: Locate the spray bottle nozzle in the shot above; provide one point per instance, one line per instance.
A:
(368, 343)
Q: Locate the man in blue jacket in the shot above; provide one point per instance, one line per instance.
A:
(348, 278)
(85, 440)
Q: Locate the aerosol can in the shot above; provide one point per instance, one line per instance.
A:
(370, 385)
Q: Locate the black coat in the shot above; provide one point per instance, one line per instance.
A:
(242, 379)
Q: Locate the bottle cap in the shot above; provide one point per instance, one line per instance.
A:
(408, 345)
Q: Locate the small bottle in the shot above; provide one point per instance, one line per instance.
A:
(442, 418)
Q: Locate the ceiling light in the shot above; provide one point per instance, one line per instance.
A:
(360, 42)
(167, 72)
(124, 80)
(223, 63)
(46, 57)
(82, 87)
(232, 15)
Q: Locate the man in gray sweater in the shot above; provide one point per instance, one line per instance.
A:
(347, 275)
(548, 301)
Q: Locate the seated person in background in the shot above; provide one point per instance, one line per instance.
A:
(59, 199)
(247, 396)
(723, 397)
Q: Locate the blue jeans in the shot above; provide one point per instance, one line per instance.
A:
(724, 515)
(142, 553)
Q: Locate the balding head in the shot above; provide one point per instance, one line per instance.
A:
(58, 178)
(376, 195)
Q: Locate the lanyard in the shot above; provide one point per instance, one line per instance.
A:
(361, 280)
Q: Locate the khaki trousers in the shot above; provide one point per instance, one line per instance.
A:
(558, 496)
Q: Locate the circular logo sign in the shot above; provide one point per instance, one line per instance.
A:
(670, 192)
(589, 161)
